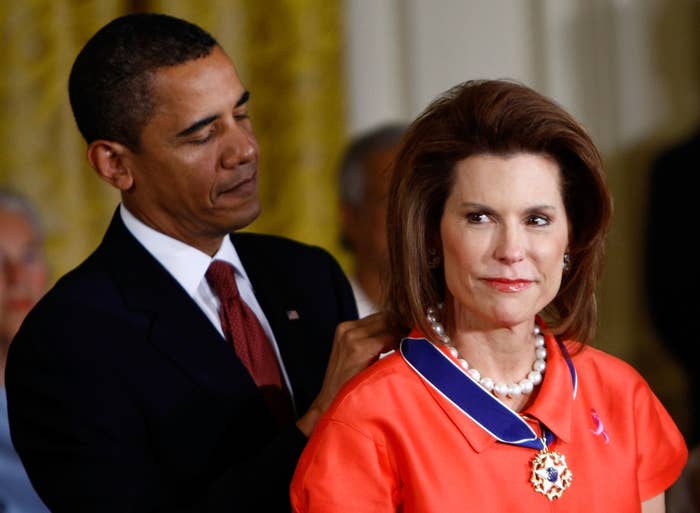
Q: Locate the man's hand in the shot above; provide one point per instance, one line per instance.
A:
(356, 345)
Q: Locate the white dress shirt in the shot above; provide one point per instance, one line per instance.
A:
(188, 266)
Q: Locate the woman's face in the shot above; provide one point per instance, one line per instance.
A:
(504, 232)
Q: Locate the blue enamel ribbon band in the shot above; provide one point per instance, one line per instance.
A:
(472, 399)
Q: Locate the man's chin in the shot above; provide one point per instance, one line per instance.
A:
(245, 216)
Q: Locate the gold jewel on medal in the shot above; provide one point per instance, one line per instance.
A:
(550, 475)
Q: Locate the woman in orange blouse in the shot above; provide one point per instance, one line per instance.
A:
(498, 212)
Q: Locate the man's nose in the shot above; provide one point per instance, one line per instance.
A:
(240, 147)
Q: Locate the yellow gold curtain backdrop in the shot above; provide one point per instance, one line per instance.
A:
(289, 55)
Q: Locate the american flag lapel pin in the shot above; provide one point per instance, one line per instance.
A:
(292, 315)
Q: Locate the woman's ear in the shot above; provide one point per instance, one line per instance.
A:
(108, 159)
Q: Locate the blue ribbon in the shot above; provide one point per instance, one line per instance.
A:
(471, 398)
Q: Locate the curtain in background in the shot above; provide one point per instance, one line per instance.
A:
(288, 54)
(41, 153)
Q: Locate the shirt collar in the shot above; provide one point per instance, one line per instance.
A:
(554, 403)
(185, 263)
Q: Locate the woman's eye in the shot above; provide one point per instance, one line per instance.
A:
(477, 217)
(538, 220)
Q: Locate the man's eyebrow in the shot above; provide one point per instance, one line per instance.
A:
(197, 125)
(243, 99)
(210, 119)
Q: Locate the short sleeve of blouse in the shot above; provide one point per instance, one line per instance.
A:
(660, 445)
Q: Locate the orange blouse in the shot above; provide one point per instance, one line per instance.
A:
(393, 442)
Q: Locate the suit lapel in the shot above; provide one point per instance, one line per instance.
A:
(269, 290)
(176, 324)
(279, 301)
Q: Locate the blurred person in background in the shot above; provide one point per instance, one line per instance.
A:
(674, 302)
(363, 182)
(24, 277)
(25, 266)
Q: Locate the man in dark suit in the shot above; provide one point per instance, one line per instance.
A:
(124, 393)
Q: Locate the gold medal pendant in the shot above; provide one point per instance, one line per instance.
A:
(550, 475)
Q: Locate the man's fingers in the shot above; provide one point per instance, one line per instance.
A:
(374, 325)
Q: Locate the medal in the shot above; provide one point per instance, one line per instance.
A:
(550, 475)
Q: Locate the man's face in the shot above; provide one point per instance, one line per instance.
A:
(23, 268)
(196, 174)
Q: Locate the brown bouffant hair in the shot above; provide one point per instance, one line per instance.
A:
(495, 117)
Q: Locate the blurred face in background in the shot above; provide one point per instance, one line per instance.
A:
(3, 292)
(24, 271)
(365, 226)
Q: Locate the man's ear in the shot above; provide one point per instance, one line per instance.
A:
(108, 158)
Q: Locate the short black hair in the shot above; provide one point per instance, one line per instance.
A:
(110, 81)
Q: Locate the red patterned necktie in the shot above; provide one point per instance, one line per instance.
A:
(242, 328)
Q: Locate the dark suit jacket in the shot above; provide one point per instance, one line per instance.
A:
(123, 397)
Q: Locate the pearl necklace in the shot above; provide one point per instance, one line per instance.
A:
(523, 387)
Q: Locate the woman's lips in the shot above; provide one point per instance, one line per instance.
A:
(506, 285)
